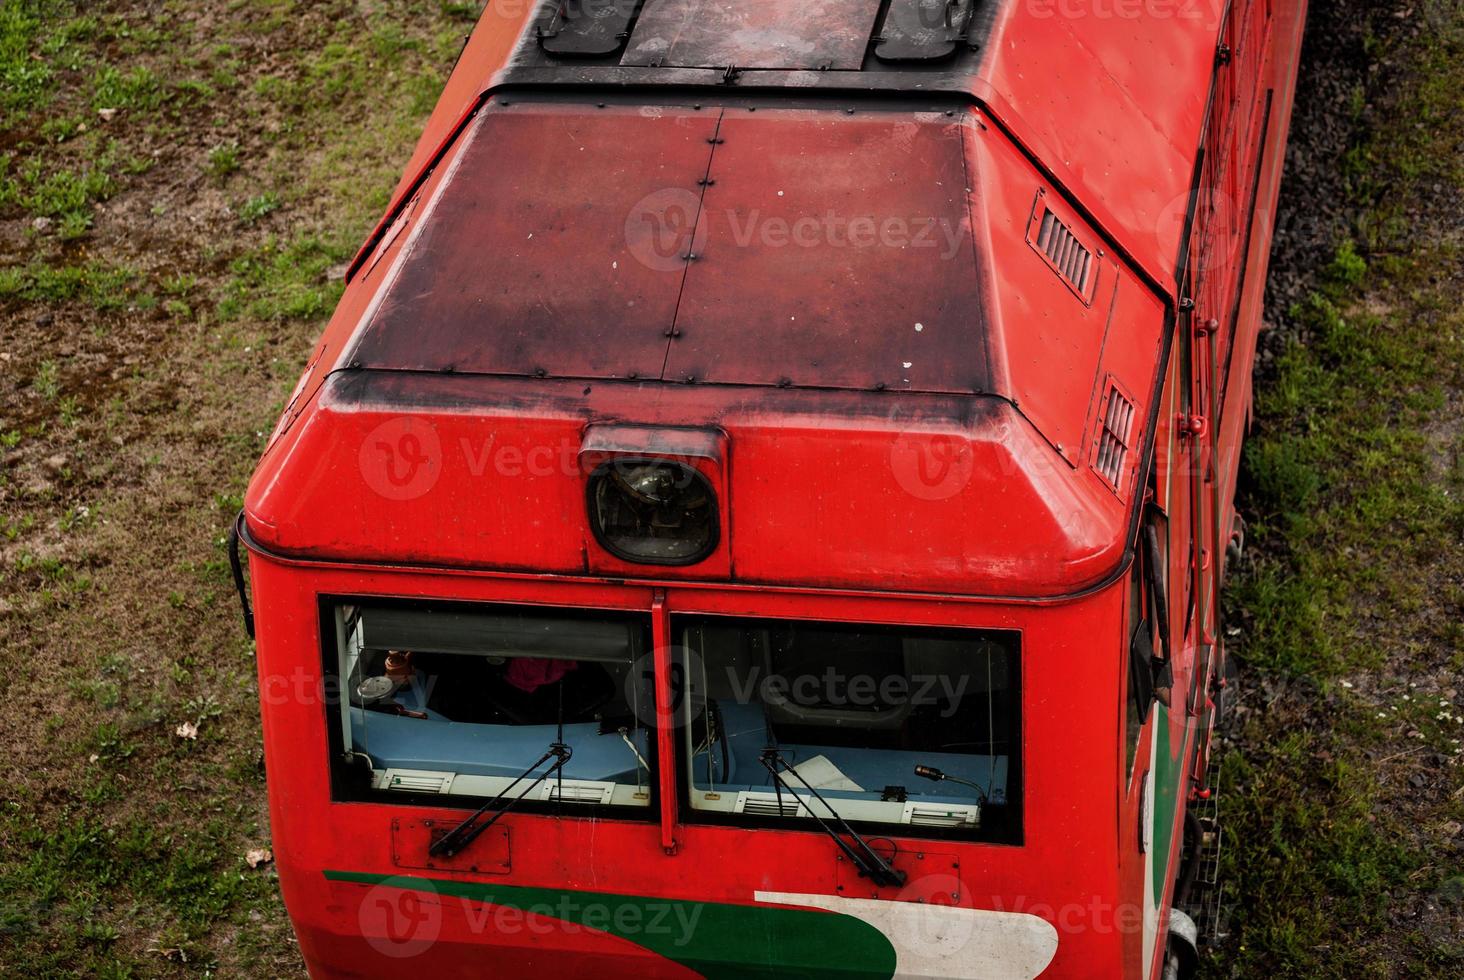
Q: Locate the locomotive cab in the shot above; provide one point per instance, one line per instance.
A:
(748, 514)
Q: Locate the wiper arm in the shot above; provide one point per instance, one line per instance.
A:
(871, 863)
(466, 832)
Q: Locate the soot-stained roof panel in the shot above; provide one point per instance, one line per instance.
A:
(553, 247)
(802, 247)
(834, 251)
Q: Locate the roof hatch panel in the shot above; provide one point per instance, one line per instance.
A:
(755, 34)
(554, 246)
(834, 251)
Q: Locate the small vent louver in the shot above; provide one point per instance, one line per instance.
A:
(1073, 261)
(1115, 432)
(941, 816)
(573, 792)
(767, 805)
(413, 782)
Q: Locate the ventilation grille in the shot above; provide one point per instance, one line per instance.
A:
(941, 816)
(578, 792)
(1069, 258)
(1114, 437)
(415, 783)
(766, 805)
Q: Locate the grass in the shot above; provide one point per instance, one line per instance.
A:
(284, 280)
(100, 286)
(1339, 803)
(258, 207)
(223, 161)
(153, 322)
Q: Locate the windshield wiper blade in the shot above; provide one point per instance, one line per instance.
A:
(871, 863)
(468, 831)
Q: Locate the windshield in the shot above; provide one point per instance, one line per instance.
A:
(460, 700)
(905, 726)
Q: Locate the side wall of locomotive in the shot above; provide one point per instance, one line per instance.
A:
(1205, 408)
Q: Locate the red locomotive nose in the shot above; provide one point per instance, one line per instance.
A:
(782, 431)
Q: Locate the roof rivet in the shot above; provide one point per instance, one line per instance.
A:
(880, 386)
(632, 375)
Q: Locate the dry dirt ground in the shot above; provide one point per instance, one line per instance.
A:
(179, 185)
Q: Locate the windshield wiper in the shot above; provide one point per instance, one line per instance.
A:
(871, 864)
(466, 832)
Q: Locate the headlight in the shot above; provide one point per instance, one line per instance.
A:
(652, 510)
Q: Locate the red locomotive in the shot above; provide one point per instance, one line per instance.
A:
(759, 507)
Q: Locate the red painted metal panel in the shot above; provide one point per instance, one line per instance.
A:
(834, 251)
(1113, 102)
(551, 248)
(666, 728)
(940, 494)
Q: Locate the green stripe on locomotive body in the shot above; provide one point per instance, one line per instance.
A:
(719, 941)
(1168, 771)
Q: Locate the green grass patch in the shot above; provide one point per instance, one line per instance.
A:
(284, 281)
(100, 286)
(137, 89)
(25, 78)
(257, 207)
(1358, 519)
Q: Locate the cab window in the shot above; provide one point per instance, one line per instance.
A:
(791, 722)
(453, 700)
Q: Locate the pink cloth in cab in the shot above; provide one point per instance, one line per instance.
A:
(528, 674)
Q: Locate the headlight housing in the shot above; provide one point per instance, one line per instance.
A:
(652, 511)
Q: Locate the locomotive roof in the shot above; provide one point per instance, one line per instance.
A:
(1107, 99)
(802, 247)
(845, 234)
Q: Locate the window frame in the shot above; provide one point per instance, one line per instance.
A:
(344, 789)
(1013, 831)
